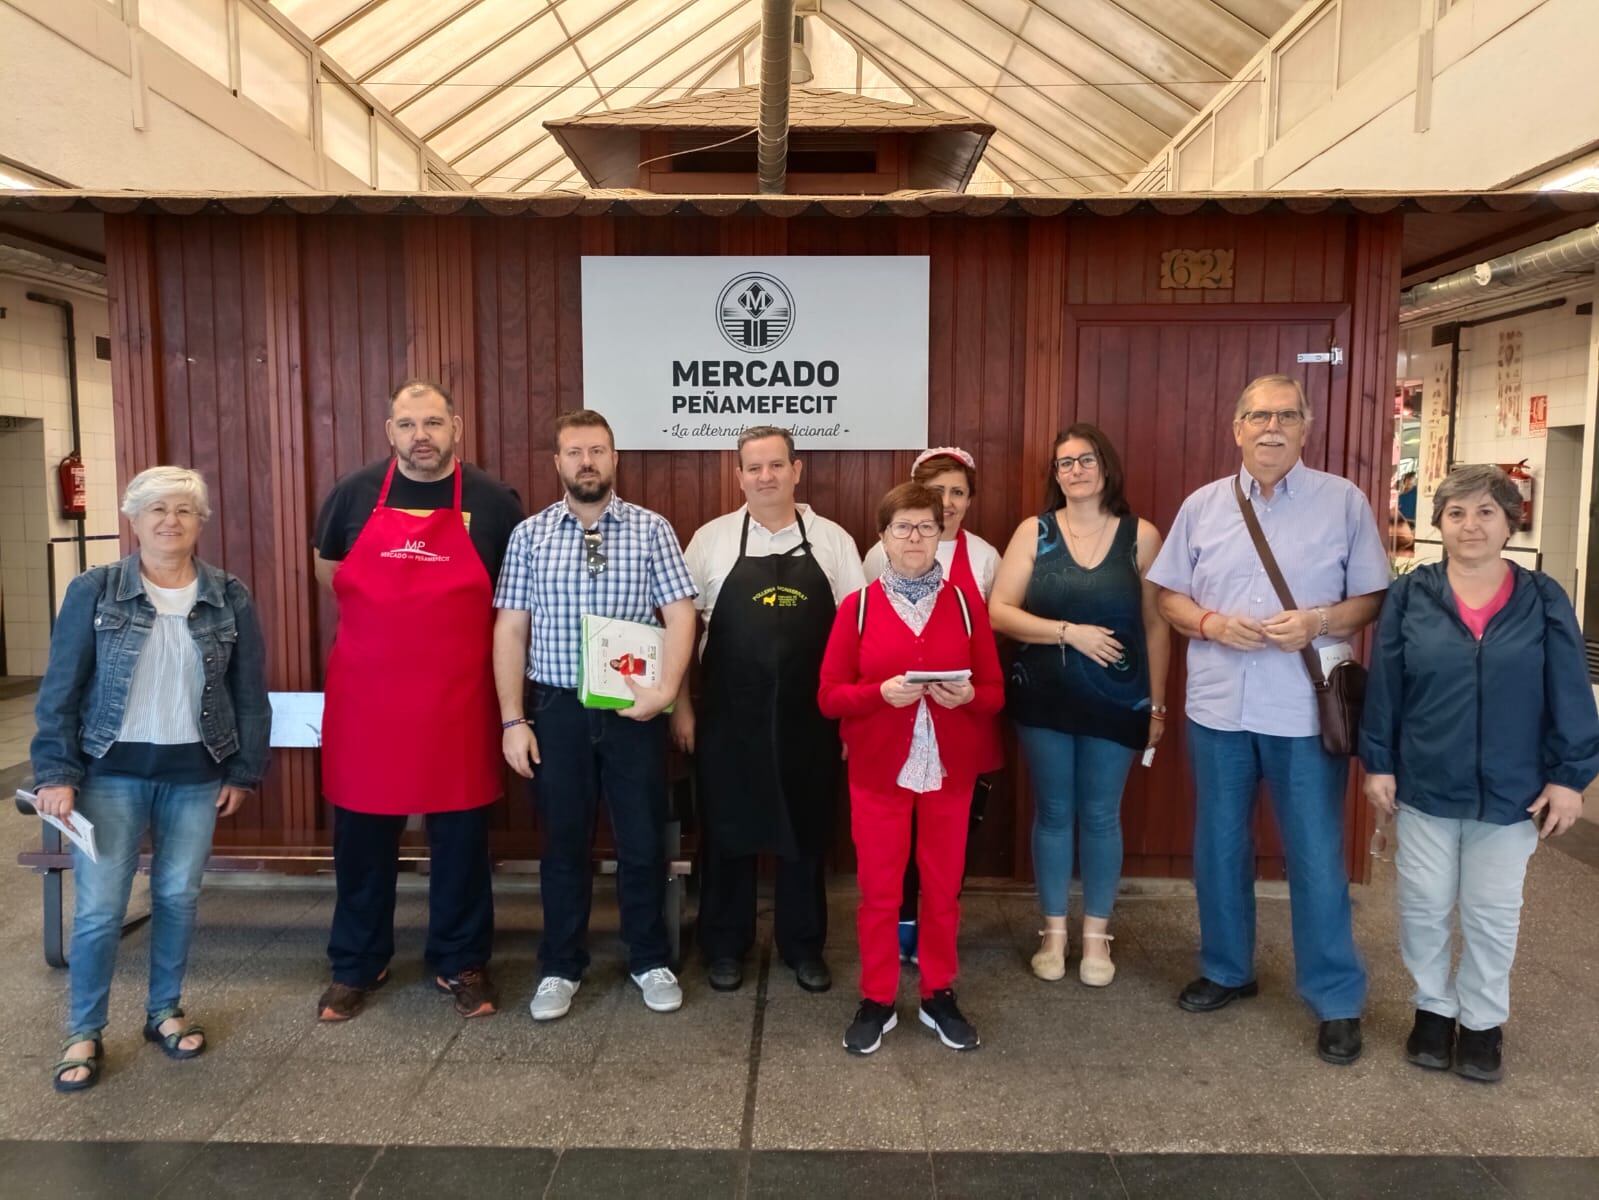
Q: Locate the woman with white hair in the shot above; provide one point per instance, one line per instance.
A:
(152, 719)
(1480, 728)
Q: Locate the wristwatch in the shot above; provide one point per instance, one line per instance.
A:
(1322, 613)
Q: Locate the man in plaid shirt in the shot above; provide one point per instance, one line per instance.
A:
(591, 552)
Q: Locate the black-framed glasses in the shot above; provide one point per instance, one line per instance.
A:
(1259, 418)
(1067, 461)
(900, 530)
(596, 558)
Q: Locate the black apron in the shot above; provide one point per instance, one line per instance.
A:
(768, 761)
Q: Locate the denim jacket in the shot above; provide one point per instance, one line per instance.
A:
(104, 622)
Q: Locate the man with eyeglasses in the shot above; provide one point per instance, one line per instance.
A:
(1251, 707)
(592, 553)
(770, 577)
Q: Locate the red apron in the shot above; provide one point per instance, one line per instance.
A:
(990, 744)
(410, 721)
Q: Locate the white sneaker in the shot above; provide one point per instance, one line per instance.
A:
(554, 997)
(661, 993)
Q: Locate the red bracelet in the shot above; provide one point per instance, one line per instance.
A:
(1208, 615)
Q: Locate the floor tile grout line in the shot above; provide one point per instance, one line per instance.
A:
(1117, 1171)
(361, 1182)
(1309, 1182)
(1486, 1170)
(746, 1133)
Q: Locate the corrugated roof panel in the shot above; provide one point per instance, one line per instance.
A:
(1081, 92)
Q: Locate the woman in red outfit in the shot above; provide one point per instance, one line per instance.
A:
(913, 748)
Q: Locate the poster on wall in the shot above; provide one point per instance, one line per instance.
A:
(1507, 384)
(685, 353)
(1538, 416)
(1434, 429)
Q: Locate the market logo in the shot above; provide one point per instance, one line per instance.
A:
(415, 551)
(755, 312)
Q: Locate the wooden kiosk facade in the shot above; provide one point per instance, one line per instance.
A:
(257, 339)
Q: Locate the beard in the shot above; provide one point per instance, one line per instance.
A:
(436, 468)
(587, 491)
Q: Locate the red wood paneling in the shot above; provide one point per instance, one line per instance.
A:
(262, 350)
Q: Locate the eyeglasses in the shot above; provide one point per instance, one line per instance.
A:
(1066, 462)
(596, 560)
(901, 530)
(1259, 418)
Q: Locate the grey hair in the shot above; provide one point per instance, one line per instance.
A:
(1266, 381)
(756, 433)
(1474, 481)
(157, 483)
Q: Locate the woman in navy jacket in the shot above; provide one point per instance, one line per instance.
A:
(1480, 726)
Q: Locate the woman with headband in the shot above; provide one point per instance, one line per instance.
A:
(970, 564)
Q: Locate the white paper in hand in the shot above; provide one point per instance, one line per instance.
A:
(80, 832)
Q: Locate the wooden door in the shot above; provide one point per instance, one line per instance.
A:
(1163, 387)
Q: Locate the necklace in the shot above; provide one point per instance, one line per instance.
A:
(1077, 540)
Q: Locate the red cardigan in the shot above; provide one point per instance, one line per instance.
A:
(878, 735)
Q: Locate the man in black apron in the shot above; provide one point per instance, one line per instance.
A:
(770, 576)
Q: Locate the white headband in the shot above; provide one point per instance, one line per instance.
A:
(954, 452)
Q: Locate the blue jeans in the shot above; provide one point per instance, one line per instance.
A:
(587, 753)
(1307, 795)
(180, 818)
(1077, 786)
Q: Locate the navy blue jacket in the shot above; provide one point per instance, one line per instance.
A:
(1476, 729)
(104, 622)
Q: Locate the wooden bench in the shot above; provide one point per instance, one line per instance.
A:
(53, 859)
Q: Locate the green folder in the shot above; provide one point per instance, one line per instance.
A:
(613, 650)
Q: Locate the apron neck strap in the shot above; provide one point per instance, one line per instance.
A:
(388, 480)
(744, 535)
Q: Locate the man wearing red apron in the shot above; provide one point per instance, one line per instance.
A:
(410, 547)
(769, 576)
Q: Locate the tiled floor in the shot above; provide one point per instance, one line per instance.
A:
(1075, 1091)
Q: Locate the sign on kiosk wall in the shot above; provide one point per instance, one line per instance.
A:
(685, 353)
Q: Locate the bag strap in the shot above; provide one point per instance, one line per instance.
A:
(1274, 573)
(966, 613)
(860, 611)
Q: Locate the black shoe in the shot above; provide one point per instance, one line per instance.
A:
(1478, 1054)
(940, 1015)
(1339, 1041)
(872, 1021)
(813, 975)
(1204, 995)
(1431, 1040)
(725, 974)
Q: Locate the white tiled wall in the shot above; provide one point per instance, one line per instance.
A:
(23, 545)
(33, 384)
(1562, 493)
(1555, 348)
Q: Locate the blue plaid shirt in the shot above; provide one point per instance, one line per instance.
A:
(546, 572)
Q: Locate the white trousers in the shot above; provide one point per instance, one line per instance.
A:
(1445, 864)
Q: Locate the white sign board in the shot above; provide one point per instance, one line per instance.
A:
(685, 353)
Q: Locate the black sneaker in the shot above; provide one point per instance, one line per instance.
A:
(940, 1015)
(1477, 1054)
(1432, 1038)
(872, 1021)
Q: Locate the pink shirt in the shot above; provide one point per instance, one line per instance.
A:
(1477, 619)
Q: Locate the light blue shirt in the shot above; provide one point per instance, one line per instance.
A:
(1324, 536)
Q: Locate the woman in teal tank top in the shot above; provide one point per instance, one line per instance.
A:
(1087, 683)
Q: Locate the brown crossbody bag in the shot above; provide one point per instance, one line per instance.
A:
(1340, 695)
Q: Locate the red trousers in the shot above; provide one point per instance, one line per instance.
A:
(880, 823)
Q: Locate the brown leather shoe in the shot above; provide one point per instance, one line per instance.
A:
(341, 1002)
(474, 991)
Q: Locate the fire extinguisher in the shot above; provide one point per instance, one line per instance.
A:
(74, 480)
(1522, 478)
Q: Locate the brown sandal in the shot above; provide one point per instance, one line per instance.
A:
(341, 1002)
